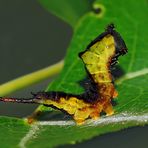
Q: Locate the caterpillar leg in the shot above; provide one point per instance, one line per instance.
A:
(37, 113)
(95, 115)
(115, 94)
(33, 117)
(108, 109)
(90, 111)
(81, 115)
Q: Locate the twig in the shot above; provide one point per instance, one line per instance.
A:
(30, 79)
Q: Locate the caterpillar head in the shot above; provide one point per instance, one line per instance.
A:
(114, 38)
(119, 42)
(120, 45)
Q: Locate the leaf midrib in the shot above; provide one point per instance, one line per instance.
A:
(117, 118)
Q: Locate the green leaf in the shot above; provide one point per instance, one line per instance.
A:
(68, 10)
(132, 103)
(132, 87)
(12, 131)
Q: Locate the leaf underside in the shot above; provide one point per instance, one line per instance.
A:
(132, 102)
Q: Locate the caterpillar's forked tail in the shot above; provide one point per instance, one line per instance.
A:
(18, 100)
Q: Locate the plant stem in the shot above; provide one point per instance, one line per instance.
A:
(30, 79)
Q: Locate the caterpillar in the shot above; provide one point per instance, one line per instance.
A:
(99, 57)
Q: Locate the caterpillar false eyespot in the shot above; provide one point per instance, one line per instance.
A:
(100, 55)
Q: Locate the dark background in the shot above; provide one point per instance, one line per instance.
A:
(32, 38)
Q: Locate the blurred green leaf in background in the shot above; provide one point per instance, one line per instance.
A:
(68, 10)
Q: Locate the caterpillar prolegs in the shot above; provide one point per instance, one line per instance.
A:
(100, 55)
